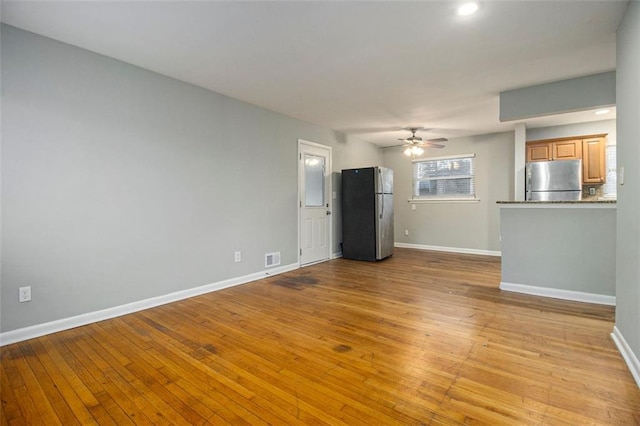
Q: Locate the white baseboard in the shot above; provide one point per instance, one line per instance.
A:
(448, 249)
(336, 255)
(38, 330)
(630, 358)
(577, 296)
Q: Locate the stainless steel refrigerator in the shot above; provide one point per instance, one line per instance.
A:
(367, 213)
(554, 180)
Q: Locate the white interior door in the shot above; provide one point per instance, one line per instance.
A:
(314, 181)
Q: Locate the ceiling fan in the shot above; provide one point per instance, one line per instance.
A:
(414, 144)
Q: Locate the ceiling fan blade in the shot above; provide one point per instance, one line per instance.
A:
(421, 144)
(432, 145)
(416, 141)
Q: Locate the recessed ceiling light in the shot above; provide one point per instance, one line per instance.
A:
(602, 111)
(467, 9)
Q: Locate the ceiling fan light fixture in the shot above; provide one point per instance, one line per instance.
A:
(467, 9)
(412, 151)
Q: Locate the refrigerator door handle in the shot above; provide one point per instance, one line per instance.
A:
(527, 196)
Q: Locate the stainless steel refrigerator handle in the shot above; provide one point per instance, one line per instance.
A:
(527, 196)
(381, 191)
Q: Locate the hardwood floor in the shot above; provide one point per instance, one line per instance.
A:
(420, 338)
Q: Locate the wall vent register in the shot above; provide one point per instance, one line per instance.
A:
(272, 259)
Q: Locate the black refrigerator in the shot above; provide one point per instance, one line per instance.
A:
(367, 213)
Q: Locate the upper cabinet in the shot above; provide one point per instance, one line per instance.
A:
(590, 149)
(567, 150)
(593, 160)
(554, 150)
(539, 151)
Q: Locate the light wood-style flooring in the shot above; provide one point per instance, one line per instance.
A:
(420, 338)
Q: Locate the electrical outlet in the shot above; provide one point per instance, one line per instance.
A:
(24, 294)
(238, 256)
(592, 191)
(406, 232)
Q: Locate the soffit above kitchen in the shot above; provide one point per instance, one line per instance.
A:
(368, 69)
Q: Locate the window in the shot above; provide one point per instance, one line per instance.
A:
(314, 180)
(444, 178)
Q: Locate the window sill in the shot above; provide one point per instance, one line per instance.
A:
(443, 200)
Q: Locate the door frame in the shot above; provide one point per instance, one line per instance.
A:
(329, 166)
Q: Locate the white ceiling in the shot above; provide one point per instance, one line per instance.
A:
(369, 69)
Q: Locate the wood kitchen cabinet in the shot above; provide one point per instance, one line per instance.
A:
(593, 160)
(567, 150)
(590, 149)
(554, 150)
(541, 151)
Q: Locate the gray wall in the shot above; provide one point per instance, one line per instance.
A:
(576, 129)
(574, 94)
(628, 219)
(463, 226)
(119, 184)
(560, 248)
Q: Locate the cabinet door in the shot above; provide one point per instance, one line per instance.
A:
(539, 151)
(567, 150)
(593, 160)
